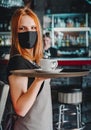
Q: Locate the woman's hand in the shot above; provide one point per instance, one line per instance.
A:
(40, 79)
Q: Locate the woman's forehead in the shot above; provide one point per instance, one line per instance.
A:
(26, 20)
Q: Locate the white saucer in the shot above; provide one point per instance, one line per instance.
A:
(49, 71)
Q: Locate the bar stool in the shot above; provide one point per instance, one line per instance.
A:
(70, 99)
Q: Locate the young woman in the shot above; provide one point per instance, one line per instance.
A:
(31, 97)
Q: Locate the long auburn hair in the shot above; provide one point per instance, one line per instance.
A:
(36, 52)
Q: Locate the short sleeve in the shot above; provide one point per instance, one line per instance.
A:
(17, 63)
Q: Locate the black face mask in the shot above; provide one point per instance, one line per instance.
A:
(27, 39)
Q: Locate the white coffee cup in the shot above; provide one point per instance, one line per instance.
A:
(48, 64)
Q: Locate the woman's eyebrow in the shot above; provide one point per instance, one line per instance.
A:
(22, 26)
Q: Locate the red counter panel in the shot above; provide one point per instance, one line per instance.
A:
(73, 62)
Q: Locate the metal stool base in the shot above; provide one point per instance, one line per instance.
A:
(67, 124)
(70, 127)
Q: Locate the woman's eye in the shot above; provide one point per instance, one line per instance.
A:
(21, 28)
(33, 28)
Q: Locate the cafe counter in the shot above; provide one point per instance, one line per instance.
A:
(79, 63)
(71, 63)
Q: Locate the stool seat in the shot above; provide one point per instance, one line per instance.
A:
(70, 95)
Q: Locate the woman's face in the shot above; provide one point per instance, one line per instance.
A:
(27, 32)
(47, 42)
(26, 23)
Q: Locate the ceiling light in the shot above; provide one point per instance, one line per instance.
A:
(11, 3)
(89, 1)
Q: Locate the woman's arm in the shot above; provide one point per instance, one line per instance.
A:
(22, 97)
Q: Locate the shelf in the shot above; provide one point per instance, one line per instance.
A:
(71, 29)
(5, 33)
